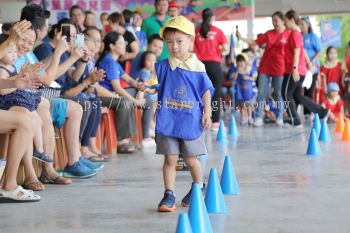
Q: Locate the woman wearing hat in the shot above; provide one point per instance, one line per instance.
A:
(312, 47)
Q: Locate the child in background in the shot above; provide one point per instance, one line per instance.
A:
(245, 78)
(346, 81)
(148, 77)
(229, 85)
(331, 71)
(184, 108)
(333, 102)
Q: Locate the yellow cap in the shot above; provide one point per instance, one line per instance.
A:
(180, 23)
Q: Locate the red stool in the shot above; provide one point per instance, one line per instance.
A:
(107, 131)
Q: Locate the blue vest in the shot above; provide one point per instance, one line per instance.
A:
(180, 104)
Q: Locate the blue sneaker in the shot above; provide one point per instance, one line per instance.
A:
(91, 165)
(78, 170)
(167, 204)
(186, 200)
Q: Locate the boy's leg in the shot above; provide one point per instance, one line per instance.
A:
(169, 171)
(195, 168)
(167, 204)
(196, 172)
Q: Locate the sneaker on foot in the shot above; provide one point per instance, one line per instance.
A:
(167, 204)
(279, 122)
(149, 142)
(78, 170)
(92, 165)
(215, 127)
(186, 200)
(258, 122)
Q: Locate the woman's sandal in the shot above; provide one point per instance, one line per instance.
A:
(45, 179)
(100, 158)
(126, 148)
(35, 186)
(18, 195)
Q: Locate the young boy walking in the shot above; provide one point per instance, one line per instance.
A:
(184, 108)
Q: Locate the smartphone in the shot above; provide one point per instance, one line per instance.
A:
(79, 40)
(65, 29)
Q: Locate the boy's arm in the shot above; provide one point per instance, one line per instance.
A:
(206, 120)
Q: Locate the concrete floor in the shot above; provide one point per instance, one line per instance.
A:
(282, 191)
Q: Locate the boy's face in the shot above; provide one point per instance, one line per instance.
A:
(156, 46)
(333, 94)
(178, 44)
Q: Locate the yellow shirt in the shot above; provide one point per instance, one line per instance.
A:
(191, 63)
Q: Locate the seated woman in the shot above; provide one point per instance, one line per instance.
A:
(84, 91)
(62, 112)
(110, 88)
(17, 120)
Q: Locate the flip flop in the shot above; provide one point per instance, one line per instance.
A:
(99, 158)
(126, 148)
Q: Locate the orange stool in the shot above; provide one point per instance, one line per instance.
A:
(107, 131)
(61, 154)
(138, 120)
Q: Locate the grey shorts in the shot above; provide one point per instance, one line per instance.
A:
(175, 146)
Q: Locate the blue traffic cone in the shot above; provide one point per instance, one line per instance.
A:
(197, 212)
(229, 184)
(214, 198)
(325, 136)
(222, 135)
(313, 149)
(183, 224)
(233, 131)
(317, 124)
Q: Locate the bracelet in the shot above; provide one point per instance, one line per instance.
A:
(83, 61)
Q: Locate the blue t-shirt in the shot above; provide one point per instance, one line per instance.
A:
(113, 71)
(45, 50)
(135, 66)
(180, 105)
(312, 46)
(245, 88)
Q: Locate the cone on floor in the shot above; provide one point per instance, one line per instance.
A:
(325, 136)
(214, 198)
(183, 224)
(313, 149)
(222, 135)
(197, 212)
(229, 184)
(340, 124)
(346, 132)
(233, 131)
(317, 124)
